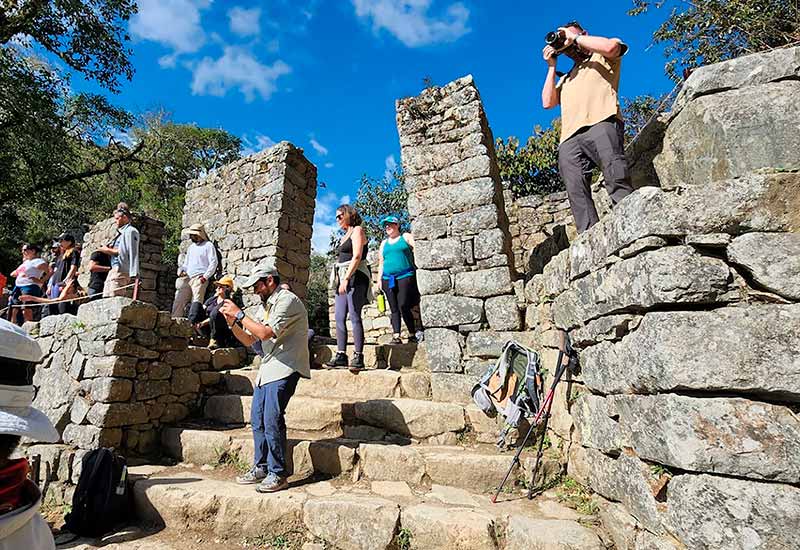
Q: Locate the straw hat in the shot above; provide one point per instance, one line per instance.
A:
(226, 281)
(18, 355)
(198, 230)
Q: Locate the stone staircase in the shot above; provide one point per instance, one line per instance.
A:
(376, 464)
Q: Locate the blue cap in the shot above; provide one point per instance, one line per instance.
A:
(390, 219)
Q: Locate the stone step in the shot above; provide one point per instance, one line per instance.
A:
(371, 419)
(479, 468)
(379, 356)
(343, 384)
(367, 515)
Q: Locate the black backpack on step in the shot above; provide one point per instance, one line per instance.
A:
(101, 499)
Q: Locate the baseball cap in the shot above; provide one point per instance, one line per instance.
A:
(390, 219)
(66, 237)
(261, 270)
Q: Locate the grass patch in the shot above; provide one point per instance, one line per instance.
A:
(574, 495)
(403, 539)
(290, 540)
(231, 457)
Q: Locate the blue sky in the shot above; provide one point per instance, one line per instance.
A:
(324, 74)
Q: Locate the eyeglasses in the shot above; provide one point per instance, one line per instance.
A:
(339, 216)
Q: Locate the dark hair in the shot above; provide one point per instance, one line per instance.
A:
(353, 217)
(30, 246)
(575, 24)
(275, 279)
(8, 443)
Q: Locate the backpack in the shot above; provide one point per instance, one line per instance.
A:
(512, 387)
(101, 499)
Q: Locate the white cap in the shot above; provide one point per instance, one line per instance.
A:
(17, 416)
(260, 271)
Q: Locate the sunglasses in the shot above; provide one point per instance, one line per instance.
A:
(339, 216)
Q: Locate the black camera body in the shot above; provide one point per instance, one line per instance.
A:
(555, 39)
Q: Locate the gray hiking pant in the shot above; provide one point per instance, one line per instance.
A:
(599, 145)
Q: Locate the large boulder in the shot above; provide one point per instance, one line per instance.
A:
(710, 512)
(746, 349)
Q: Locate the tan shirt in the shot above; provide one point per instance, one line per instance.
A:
(588, 93)
(287, 352)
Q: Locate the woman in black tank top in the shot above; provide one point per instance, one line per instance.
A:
(352, 287)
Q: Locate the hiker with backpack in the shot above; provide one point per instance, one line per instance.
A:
(21, 523)
(397, 277)
(279, 334)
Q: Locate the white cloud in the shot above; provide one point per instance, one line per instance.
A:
(411, 23)
(237, 68)
(172, 23)
(318, 147)
(244, 21)
(391, 166)
(328, 165)
(256, 145)
(325, 220)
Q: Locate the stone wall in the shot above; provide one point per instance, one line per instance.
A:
(685, 307)
(471, 298)
(154, 276)
(257, 208)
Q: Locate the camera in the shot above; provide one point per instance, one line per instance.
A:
(555, 39)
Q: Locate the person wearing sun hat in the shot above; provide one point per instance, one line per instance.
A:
(21, 523)
(279, 334)
(199, 265)
(207, 315)
(397, 277)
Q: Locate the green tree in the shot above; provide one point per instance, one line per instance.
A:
(317, 294)
(377, 198)
(531, 169)
(702, 32)
(638, 111)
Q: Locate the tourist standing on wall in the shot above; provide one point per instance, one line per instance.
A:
(351, 281)
(99, 266)
(200, 264)
(592, 130)
(397, 276)
(30, 276)
(280, 337)
(124, 252)
(21, 523)
(66, 271)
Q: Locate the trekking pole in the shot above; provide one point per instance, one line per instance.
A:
(545, 405)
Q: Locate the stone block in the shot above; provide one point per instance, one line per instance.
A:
(524, 533)
(352, 522)
(134, 314)
(106, 390)
(443, 349)
(474, 221)
(452, 388)
(410, 417)
(489, 243)
(184, 381)
(391, 463)
(124, 347)
(718, 512)
(92, 437)
(444, 310)
(438, 253)
(150, 389)
(449, 199)
(429, 227)
(112, 415)
(438, 527)
(748, 349)
(502, 313)
(484, 283)
(433, 282)
(490, 343)
(772, 259)
(673, 275)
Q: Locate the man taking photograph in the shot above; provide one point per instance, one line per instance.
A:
(592, 129)
(280, 337)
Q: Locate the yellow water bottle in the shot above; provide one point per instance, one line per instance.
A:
(381, 299)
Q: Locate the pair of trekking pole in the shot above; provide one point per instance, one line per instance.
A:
(543, 414)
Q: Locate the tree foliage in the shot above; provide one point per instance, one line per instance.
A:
(707, 31)
(317, 294)
(637, 112)
(531, 169)
(377, 198)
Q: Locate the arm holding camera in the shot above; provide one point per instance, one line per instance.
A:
(550, 95)
(607, 47)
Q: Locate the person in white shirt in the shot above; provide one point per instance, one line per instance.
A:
(199, 265)
(30, 276)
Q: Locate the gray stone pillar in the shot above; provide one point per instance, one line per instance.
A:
(463, 246)
(260, 207)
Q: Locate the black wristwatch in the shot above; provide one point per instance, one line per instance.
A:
(239, 317)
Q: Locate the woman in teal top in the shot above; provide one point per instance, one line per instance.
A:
(396, 273)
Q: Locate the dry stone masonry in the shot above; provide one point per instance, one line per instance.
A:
(257, 208)
(156, 279)
(685, 307)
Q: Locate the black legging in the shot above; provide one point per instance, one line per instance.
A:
(402, 298)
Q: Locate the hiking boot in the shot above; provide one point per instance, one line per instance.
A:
(412, 339)
(358, 362)
(338, 361)
(212, 344)
(255, 475)
(272, 483)
(396, 340)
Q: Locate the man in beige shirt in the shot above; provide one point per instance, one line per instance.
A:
(279, 334)
(592, 129)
